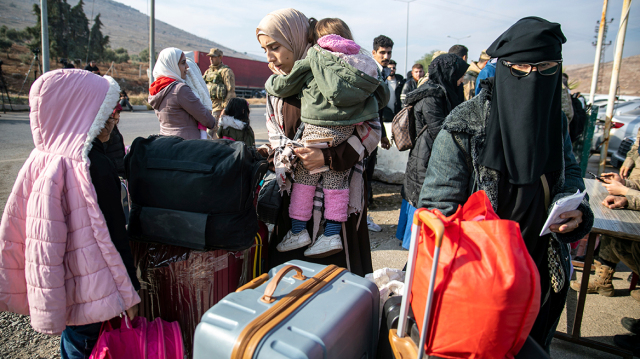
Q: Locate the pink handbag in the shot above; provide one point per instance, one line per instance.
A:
(139, 339)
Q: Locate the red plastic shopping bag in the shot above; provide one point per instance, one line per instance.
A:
(138, 339)
(487, 287)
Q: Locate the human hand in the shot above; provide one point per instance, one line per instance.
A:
(574, 217)
(612, 176)
(624, 171)
(384, 142)
(312, 158)
(132, 312)
(614, 202)
(616, 188)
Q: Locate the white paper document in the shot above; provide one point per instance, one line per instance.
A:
(563, 205)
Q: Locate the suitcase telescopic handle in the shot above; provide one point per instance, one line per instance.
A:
(271, 287)
(435, 224)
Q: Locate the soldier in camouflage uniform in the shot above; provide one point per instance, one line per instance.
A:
(221, 84)
(614, 250)
(632, 162)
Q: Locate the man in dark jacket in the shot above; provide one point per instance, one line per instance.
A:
(417, 72)
(382, 49)
(395, 83)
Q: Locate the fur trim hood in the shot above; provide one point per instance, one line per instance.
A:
(53, 100)
(228, 121)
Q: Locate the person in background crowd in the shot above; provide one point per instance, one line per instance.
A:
(71, 266)
(461, 51)
(124, 101)
(631, 165)
(471, 76)
(488, 71)
(395, 82)
(567, 105)
(235, 123)
(432, 102)
(92, 67)
(382, 49)
(498, 151)
(284, 35)
(114, 147)
(67, 64)
(178, 109)
(221, 83)
(425, 78)
(417, 72)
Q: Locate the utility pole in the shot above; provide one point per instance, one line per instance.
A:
(617, 62)
(44, 32)
(152, 34)
(406, 52)
(599, 48)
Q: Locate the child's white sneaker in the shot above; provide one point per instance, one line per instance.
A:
(294, 241)
(324, 246)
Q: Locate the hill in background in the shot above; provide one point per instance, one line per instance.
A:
(126, 26)
(629, 81)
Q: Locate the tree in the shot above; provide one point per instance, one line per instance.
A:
(425, 60)
(79, 25)
(144, 55)
(97, 42)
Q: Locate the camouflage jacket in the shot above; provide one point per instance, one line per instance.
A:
(633, 158)
(221, 83)
(633, 194)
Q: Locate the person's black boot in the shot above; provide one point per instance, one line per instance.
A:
(629, 342)
(632, 325)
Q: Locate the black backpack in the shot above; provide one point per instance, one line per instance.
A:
(576, 127)
(197, 194)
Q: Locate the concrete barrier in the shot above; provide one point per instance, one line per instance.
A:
(391, 163)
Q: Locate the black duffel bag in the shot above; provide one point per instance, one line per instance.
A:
(196, 194)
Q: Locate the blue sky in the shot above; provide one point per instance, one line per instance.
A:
(432, 23)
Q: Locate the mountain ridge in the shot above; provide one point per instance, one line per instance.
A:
(125, 26)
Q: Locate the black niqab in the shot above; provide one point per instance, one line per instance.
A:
(445, 70)
(524, 129)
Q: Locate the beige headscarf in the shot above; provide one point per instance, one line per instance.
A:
(290, 28)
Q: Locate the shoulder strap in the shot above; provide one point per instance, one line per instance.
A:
(545, 186)
(466, 154)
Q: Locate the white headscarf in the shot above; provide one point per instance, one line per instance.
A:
(167, 64)
(198, 86)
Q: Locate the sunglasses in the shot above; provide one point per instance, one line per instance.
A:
(545, 68)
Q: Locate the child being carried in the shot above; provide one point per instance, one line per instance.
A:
(340, 87)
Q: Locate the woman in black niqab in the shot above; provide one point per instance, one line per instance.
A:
(524, 141)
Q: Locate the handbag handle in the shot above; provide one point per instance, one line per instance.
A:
(271, 287)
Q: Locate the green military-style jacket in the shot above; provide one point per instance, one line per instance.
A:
(333, 92)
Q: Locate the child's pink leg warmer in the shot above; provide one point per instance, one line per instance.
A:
(301, 205)
(336, 203)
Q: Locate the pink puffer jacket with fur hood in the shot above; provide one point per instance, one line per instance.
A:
(57, 261)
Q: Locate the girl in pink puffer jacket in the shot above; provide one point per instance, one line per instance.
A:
(61, 252)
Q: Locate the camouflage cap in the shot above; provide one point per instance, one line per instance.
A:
(484, 56)
(214, 52)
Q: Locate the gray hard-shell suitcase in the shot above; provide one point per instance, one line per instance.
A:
(330, 313)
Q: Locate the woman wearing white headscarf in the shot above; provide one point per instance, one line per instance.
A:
(177, 106)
